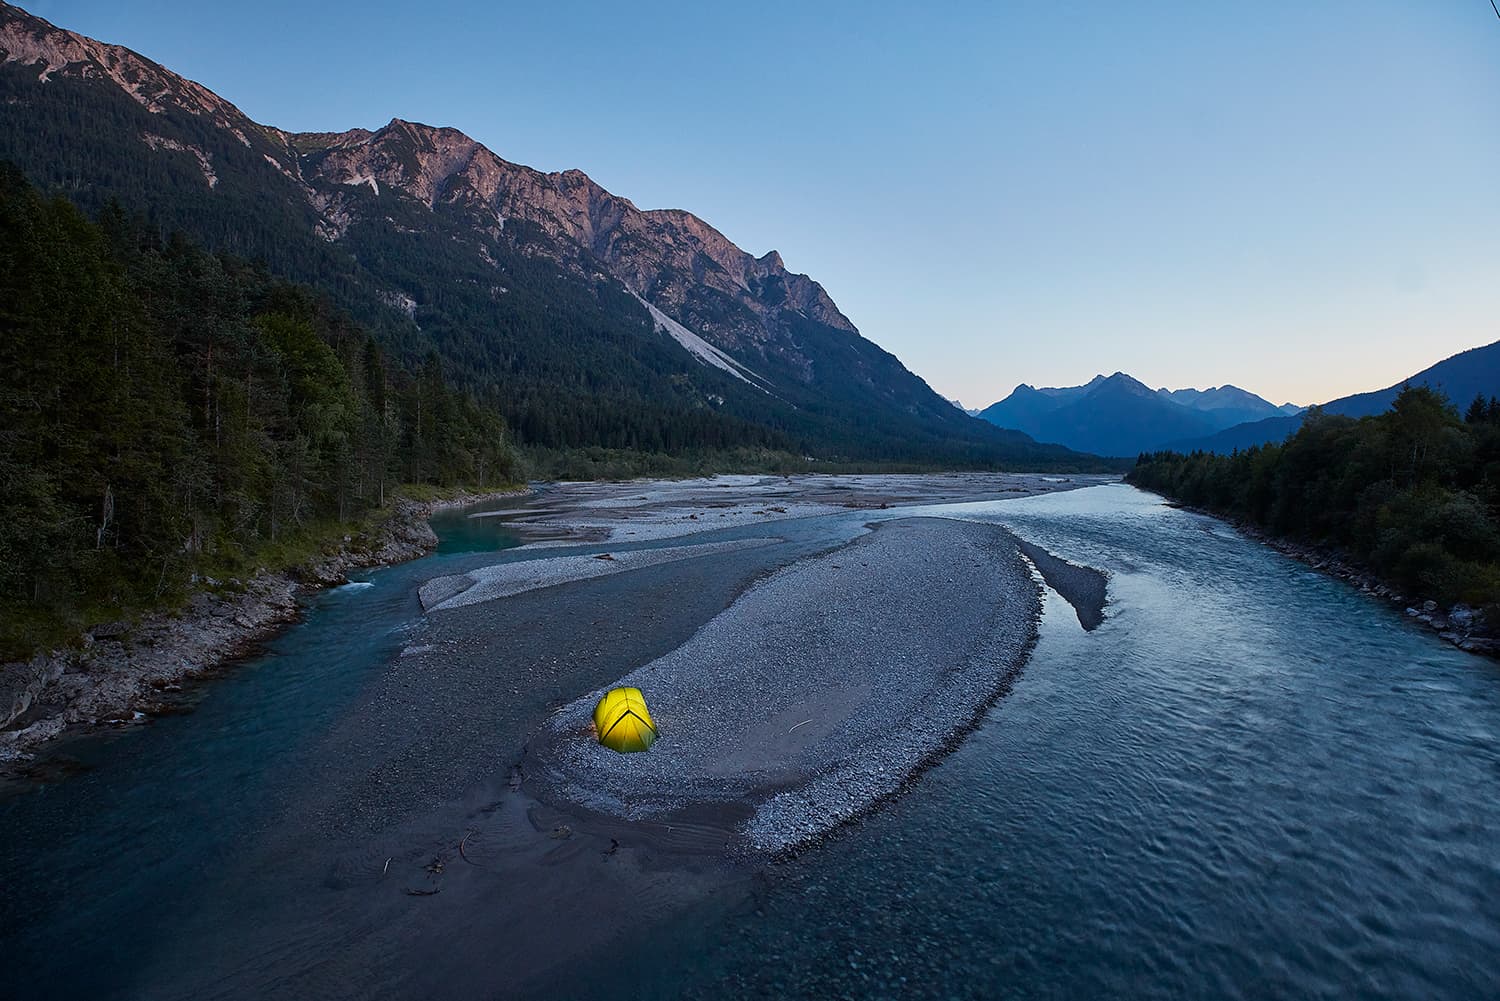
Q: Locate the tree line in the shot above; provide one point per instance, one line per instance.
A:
(527, 323)
(1412, 493)
(166, 412)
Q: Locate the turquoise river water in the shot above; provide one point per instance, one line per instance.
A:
(1249, 782)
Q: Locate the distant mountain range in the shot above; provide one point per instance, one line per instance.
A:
(1119, 416)
(586, 321)
(1462, 377)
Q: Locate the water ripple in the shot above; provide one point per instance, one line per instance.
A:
(1249, 782)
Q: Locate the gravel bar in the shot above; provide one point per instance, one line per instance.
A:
(1083, 587)
(818, 692)
(507, 579)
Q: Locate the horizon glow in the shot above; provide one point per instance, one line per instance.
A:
(1295, 199)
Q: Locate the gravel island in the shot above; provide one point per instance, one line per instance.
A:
(819, 691)
(439, 812)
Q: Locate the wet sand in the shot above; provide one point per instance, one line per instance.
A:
(452, 834)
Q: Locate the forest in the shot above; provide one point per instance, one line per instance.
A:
(531, 329)
(1412, 493)
(168, 414)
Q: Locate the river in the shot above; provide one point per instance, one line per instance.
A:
(1250, 781)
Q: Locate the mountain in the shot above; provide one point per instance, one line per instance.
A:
(1228, 404)
(1240, 436)
(585, 320)
(1462, 377)
(1118, 415)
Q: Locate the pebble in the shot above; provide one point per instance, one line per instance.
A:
(892, 662)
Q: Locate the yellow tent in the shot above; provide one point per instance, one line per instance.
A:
(622, 721)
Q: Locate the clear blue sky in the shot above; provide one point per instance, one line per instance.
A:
(1299, 198)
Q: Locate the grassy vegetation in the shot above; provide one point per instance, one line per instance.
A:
(430, 493)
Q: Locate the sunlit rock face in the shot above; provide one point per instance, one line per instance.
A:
(669, 257)
(430, 225)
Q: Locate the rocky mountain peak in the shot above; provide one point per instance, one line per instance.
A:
(524, 281)
(415, 159)
(669, 257)
(1122, 383)
(32, 41)
(659, 254)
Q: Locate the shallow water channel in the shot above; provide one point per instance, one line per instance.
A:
(1250, 781)
(92, 865)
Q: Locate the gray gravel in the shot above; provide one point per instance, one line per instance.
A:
(507, 579)
(408, 785)
(1083, 587)
(641, 510)
(820, 691)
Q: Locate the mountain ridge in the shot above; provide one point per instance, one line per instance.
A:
(439, 154)
(1120, 415)
(1460, 377)
(526, 283)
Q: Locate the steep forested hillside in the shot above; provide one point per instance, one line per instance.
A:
(166, 412)
(531, 287)
(570, 363)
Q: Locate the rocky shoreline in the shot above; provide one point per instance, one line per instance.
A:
(1465, 627)
(124, 672)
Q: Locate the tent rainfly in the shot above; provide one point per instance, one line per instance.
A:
(622, 721)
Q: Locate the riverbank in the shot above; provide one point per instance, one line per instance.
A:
(125, 672)
(1465, 627)
(647, 510)
(428, 852)
(1461, 625)
(344, 818)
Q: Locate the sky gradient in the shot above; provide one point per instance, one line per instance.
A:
(1300, 199)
